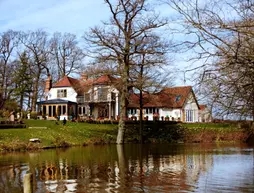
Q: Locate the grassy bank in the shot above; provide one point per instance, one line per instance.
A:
(217, 132)
(54, 134)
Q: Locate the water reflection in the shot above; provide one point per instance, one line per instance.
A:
(132, 168)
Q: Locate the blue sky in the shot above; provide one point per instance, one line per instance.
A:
(74, 16)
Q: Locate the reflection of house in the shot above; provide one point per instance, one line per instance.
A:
(183, 170)
(99, 99)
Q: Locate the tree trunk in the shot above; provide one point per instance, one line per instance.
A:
(34, 95)
(21, 101)
(121, 124)
(141, 125)
(123, 105)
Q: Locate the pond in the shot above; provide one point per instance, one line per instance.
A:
(132, 168)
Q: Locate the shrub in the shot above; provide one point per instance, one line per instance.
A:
(59, 142)
(33, 115)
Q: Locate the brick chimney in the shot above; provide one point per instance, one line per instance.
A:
(48, 85)
(84, 77)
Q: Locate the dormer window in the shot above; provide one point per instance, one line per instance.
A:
(61, 93)
(178, 97)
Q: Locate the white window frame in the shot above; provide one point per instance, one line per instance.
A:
(61, 93)
(189, 115)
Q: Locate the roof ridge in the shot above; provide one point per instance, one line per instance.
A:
(66, 81)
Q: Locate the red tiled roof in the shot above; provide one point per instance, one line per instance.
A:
(104, 79)
(202, 107)
(176, 96)
(173, 97)
(80, 86)
(67, 81)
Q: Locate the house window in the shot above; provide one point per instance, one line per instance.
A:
(151, 110)
(189, 116)
(132, 111)
(178, 97)
(61, 93)
(59, 110)
(102, 94)
(113, 96)
(64, 110)
(54, 110)
(81, 110)
(50, 111)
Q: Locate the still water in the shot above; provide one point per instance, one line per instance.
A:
(132, 168)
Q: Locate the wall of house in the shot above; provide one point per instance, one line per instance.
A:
(83, 111)
(173, 114)
(94, 92)
(189, 113)
(114, 109)
(71, 94)
(191, 110)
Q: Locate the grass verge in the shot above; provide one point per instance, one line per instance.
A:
(54, 134)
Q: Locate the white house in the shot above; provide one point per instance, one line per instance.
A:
(99, 99)
(79, 98)
(175, 103)
(61, 99)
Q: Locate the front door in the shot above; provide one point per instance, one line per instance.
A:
(103, 111)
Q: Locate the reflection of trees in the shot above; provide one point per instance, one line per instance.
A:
(11, 179)
(160, 171)
(120, 168)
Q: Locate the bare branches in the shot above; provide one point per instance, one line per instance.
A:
(129, 43)
(65, 53)
(8, 44)
(221, 32)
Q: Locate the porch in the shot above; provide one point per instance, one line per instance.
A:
(57, 109)
(103, 111)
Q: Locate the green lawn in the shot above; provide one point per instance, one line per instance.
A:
(55, 134)
(52, 133)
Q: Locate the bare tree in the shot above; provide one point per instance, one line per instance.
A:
(147, 73)
(230, 81)
(22, 79)
(115, 42)
(221, 33)
(8, 43)
(66, 54)
(37, 48)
